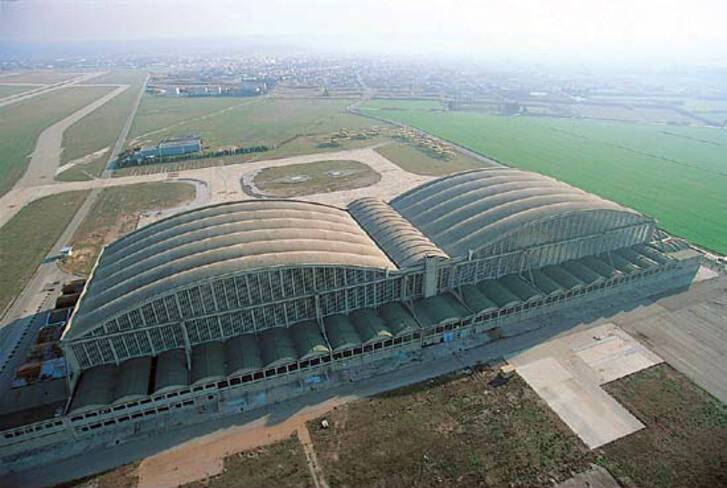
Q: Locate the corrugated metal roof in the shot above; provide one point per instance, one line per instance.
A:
(468, 211)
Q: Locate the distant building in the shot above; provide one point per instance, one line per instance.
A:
(169, 147)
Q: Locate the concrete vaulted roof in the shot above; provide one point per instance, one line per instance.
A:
(196, 245)
(447, 217)
(402, 242)
(468, 211)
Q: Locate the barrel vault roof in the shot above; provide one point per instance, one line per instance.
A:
(203, 243)
(468, 211)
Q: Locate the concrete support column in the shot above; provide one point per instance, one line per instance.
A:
(187, 345)
(431, 268)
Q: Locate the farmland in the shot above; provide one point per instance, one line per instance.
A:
(22, 123)
(240, 121)
(673, 173)
(100, 128)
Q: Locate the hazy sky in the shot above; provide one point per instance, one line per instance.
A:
(664, 29)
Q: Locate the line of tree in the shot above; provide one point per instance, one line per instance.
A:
(128, 158)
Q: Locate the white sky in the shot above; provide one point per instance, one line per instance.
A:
(664, 29)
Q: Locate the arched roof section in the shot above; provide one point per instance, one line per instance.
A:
(472, 210)
(195, 246)
(402, 242)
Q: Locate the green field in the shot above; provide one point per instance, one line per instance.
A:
(100, 128)
(7, 90)
(159, 113)
(394, 104)
(21, 124)
(40, 76)
(417, 161)
(115, 213)
(28, 237)
(676, 174)
(241, 121)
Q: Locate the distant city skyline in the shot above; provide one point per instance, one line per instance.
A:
(595, 31)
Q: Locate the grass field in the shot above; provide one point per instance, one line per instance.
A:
(100, 128)
(393, 104)
(115, 213)
(28, 237)
(241, 121)
(319, 177)
(294, 147)
(7, 90)
(416, 161)
(676, 174)
(21, 124)
(86, 170)
(683, 442)
(40, 76)
(279, 465)
(453, 431)
(160, 113)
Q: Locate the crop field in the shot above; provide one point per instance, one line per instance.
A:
(310, 178)
(115, 213)
(21, 124)
(241, 121)
(676, 174)
(99, 129)
(28, 237)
